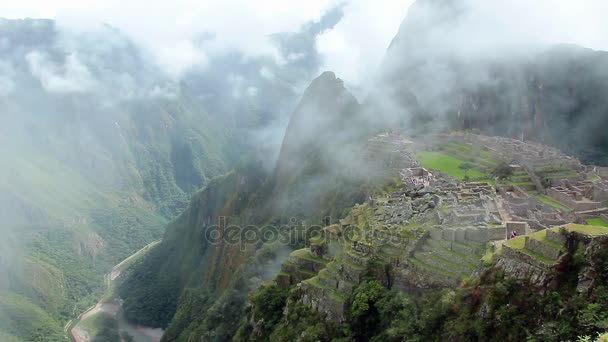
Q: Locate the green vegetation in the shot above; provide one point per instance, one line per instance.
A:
(552, 203)
(448, 164)
(503, 171)
(597, 221)
(304, 253)
(489, 307)
(26, 321)
(590, 230)
(102, 327)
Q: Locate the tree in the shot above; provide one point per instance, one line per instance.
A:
(465, 167)
(503, 171)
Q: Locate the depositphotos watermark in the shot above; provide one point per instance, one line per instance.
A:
(293, 233)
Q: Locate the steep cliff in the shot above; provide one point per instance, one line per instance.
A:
(400, 282)
(203, 282)
(464, 76)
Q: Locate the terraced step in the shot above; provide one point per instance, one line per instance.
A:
(332, 268)
(558, 175)
(518, 245)
(328, 279)
(291, 274)
(357, 259)
(450, 253)
(554, 235)
(392, 251)
(484, 165)
(293, 269)
(433, 269)
(346, 286)
(539, 257)
(326, 290)
(544, 248)
(305, 260)
(447, 265)
(540, 243)
(464, 248)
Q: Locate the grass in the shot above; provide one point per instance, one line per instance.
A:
(448, 164)
(552, 203)
(517, 243)
(424, 265)
(542, 236)
(597, 221)
(332, 292)
(488, 257)
(590, 230)
(304, 253)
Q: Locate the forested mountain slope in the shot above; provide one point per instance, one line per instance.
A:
(100, 147)
(547, 94)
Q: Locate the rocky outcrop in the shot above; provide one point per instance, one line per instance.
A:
(89, 245)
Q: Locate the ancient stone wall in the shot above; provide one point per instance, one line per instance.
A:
(521, 228)
(565, 198)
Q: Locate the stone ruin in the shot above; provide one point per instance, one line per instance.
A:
(581, 195)
(392, 151)
(433, 231)
(518, 206)
(526, 153)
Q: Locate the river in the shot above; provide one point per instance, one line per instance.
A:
(79, 330)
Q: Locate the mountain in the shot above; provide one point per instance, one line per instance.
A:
(335, 154)
(96, 156)
(204, 282)
(459, 76)
(101, 148)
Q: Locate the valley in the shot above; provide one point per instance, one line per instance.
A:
(322, 171)
(92, 322)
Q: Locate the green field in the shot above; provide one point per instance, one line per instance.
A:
(448, 164)
(597, 221)
(591, 230)
(551, 202)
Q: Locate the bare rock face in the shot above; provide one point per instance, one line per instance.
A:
(521, 267)
(89, 245)
(321, 300)
(324, 107)
(593, 252)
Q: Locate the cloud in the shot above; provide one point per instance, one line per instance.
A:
(71, 77)
(184, 33)
(357, 44)
(172, 31)
(7, 85)
(167, 90)
(252, 91)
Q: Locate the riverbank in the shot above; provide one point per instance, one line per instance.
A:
(109, 309)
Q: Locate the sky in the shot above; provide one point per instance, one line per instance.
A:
(173, 30)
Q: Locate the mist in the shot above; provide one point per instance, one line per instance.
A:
(113, 115)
